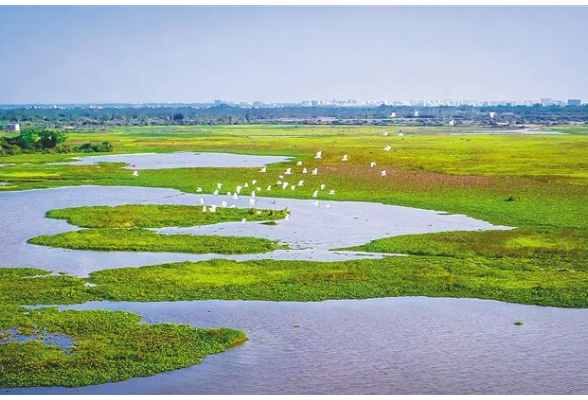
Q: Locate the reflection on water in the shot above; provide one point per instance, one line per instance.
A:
(393, 345)
(182, 160)
(311, 231)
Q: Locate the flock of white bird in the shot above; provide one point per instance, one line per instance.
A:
(281, 182)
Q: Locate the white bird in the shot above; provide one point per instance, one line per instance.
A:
(199, 190)
(281, 176)
(229, 193)
(253, 182)
(219, 185)
(299, 163)
(212, 209)
(288, 171)
(331, 192)
(323, 186)
(372, 164)
(345, 158)
(315, 171)
(386, 134)
(387, 148)
(316, 203)
(285, 185)
(224, 204)
(252, 202)
(400, 134)
(315, 194)
(328, 205)
(201, 201)
(304, 171)
(383, 172)
(135, 173)
(292, 187)
(204, 209)
(243, 220)
(287, 217)
(258, 189)
(269, 188)
(253, 193)
(245, 184)
(263, 169)
(215, 192)
(238, 189)
(258, 213)
(235, 196)
(319, 154)
(279, 182)
(301, 183)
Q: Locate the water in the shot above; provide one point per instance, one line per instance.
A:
(182, 160)
(395, 345)
(62, 341)
(311, 232)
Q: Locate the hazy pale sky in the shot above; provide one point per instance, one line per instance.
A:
(281, 54)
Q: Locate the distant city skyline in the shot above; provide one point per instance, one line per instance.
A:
(96, 55)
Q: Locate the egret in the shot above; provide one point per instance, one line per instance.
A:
(331, 192)
(285, 185)
(229, 194)
(252, 202)
(269, 188)
(245, 184)
(292, 187)
(243, 220)
(328, 206)
(215, 192)
(258, 213)
(212, 209)
(387, 148)
(263, 169)
(316, 203)
(219, 185)
(319, 154)
(315, 171)
(238, 189)
(287, 217)
(383, 172)
(201, 201)
(258, 189)
(279, 182)
(235, 197)
(288, 171)
(299, 163)
(204, 209)
(224, 204)
(199, 190)
(253, 193)
(345, 158)
(304, 171)
(372, 164)
(400, 134)
(301, 183)
(135, 173)
(315, 194)
(323, 186)
(253, 182)
(386, 134)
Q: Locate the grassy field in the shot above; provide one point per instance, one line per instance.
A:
(157, 216)
(107, 346)
(137, 239)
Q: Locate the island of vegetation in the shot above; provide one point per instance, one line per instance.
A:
(121, 229)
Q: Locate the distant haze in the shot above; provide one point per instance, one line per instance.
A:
(290, 54)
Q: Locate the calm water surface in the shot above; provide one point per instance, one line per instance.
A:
(393, 345)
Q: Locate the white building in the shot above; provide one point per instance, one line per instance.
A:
(12, 128)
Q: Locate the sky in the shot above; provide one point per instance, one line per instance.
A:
(289, 54)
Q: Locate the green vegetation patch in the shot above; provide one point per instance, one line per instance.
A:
(523, 242)
(138, 239)
(158, 216)
(108, 346)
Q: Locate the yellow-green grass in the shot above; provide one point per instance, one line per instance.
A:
(158, 216)
(108, 346)
(137, 239)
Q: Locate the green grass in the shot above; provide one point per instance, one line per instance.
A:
(108, 346)
(157, 216)
(523, 243)
(137, 239)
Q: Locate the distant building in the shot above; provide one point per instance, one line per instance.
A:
(574, 102)
(12, 128)
(547, 101)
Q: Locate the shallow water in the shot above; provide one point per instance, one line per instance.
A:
(62, 341)
(182, 160)
(395, 345)
(311, 231)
